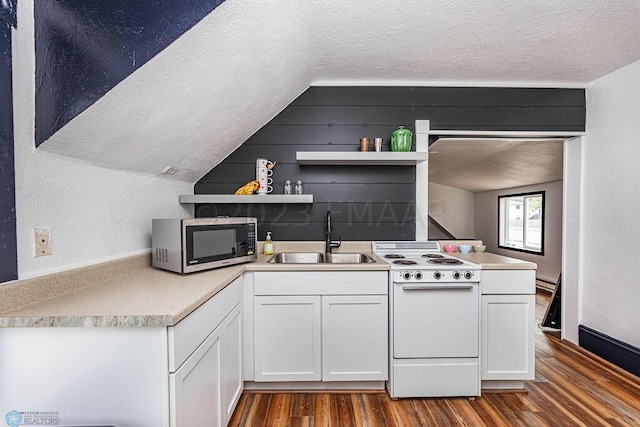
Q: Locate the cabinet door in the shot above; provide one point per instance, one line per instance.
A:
(508, 337)
(195, 388)
(232, 382)
(354, 338)
(287, 338)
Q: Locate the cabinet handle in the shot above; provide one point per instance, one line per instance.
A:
(434, 287)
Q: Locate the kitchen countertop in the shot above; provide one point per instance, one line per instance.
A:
(131, 293)
(490, 261)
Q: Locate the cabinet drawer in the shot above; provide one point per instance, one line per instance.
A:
(187, 335)
(508, 282)
(321, 283)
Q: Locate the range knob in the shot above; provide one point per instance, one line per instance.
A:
(437, 275)
(406, 275)
(468, 274)
(418, 275)
(456, 275)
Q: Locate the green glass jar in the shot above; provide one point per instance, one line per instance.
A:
(401, 139)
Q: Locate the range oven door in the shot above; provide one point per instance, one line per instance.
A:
(436, 320)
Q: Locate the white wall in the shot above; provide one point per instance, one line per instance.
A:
(454, 209)
(611, 217)
(95, 214)
(201, 97)
(487, 227)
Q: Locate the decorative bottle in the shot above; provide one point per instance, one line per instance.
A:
(267, 246)
(401, 139)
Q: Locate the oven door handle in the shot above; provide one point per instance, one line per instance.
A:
(435, 287)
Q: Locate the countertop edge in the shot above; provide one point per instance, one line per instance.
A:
(100, 321)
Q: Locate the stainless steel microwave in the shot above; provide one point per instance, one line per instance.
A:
(189, 245)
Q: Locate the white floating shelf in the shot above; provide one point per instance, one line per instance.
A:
(369, 158)
(232, 198)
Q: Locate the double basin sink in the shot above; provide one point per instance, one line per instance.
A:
(319, 258)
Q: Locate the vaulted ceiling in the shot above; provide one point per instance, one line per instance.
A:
(204, 95)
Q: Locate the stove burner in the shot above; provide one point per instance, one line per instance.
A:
(405, 262)
(432, 256)
(394, 256)
(447, 261)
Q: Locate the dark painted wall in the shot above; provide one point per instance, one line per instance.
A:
(8, 250)
(85, 48)
(8, 12)
(370, 202)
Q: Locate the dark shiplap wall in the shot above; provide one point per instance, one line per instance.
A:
(8, 9)
(85, 48)
(8, 250)
(370, 202)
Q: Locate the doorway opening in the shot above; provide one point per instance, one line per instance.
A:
(477, 157)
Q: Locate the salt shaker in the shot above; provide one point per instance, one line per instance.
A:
(287, 187)
(299, 189)
(378, 144)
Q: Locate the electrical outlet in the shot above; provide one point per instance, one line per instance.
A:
(41, 242)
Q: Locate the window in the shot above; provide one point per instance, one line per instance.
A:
(521, 222)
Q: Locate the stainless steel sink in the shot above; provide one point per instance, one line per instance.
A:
(319, 258)
(297, 258)
(347, 258)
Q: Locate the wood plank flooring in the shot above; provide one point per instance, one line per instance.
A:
(572, 388)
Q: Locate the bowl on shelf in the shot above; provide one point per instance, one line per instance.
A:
(479, 248)
(465, 249)
(450, 248)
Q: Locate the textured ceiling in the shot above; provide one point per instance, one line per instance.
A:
(204, 95)
(476, 164)
(568, 41)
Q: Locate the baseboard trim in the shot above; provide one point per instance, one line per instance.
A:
(502, 386)
(315, 386)
(610, 349)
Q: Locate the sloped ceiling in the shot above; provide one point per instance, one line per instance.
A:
(203, 96)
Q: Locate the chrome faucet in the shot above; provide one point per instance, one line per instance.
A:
(330, 244)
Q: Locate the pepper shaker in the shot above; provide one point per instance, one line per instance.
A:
(287, 187)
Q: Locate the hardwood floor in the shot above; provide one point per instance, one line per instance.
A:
(572, 388)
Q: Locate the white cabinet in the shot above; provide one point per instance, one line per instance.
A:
(287, 338)
(231, 376)
(354, 337)
(204, 389)
(196, 387)
(188, 374)
(508, 327)
(312, 326)
(508, 337)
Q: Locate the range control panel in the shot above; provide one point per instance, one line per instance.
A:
(434, 276)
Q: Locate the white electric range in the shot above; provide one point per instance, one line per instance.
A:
(434, 321)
